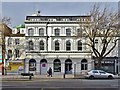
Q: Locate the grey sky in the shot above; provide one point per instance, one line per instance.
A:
(18, 10)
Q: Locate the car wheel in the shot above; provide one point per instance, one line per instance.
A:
(91, 77)
(110, 77)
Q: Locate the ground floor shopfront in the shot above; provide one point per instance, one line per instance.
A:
(14, 67)
(68, 63)
(109, 64)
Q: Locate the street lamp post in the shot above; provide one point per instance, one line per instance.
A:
(75, 69)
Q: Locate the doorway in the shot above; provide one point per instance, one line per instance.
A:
(43, 67)
(68, 66)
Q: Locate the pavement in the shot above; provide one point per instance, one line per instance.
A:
(69, 76)
(17, 77)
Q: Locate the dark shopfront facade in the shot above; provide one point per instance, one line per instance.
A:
(109, 64)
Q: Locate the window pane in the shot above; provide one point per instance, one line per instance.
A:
(30, 45)
(9, 53)
(96, 41)
(57, 32)
(85, 66)
(41, 32)
(9, 41)
(56, 45)
(79, 45)
(30, 32)
(32, 66)
(79, 32)
(82, 66)
(68, 32)
(16, 41)
(57, 65)
(17, 53)
(68, 45)
(41, 45)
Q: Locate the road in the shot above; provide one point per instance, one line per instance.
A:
(62, 84)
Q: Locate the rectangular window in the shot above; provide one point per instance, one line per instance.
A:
(17, 41)
(68, 32)
(57, 32)
(96, 41)
(9, 41)
(17, 53)
(30, 32)
(84, 66)
(41, 32)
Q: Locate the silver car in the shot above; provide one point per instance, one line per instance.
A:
(98, 74)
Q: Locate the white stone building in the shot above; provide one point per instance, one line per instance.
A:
(51, 42)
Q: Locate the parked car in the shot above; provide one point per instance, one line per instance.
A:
(98, 74)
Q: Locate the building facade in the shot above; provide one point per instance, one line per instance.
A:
(58, 42)
(15, 51)
(51, 42)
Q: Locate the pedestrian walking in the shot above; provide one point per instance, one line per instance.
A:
(49, 72)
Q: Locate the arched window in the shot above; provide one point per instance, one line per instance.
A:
(30, 32)
(32, 65)
(57, 32)
(68, 66)
(57, 45)
(68, 32)
(57, 65)
(41, 32)
(9, 54)
(84, 64)
(41, 45)
(43, 61)
(31, 45)
(68, 45)
(79, 45)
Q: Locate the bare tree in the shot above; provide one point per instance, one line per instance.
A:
(6, 20)
(102, 26)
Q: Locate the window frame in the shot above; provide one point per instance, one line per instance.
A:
(57, 45)
(79, 45)
(57, 32)
(41, 31)
(41, 45)
(68, 45)
(68, 32)
(30, 32)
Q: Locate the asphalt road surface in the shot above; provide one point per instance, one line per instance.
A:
(62, 84)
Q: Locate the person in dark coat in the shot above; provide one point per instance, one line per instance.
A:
(50, 72)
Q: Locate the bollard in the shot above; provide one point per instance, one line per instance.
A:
(64, 75)
(30, 77)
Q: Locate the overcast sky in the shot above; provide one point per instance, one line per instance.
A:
(18, 10)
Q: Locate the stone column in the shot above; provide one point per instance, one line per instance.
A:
(62, 66)
(37, 66)
(89, 64)
(26, 65)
